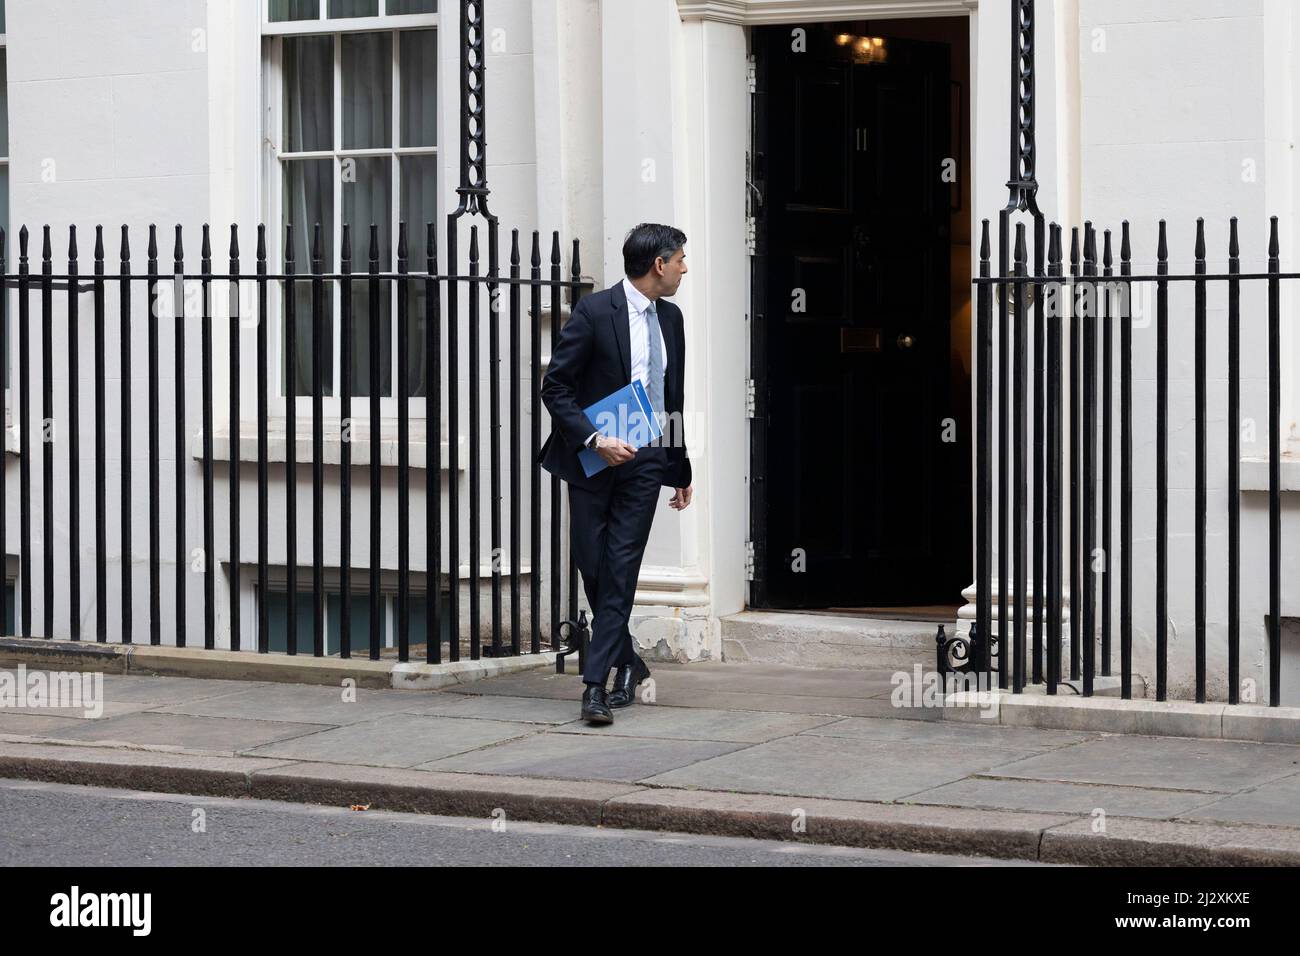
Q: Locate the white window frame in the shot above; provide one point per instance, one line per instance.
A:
(273, 179)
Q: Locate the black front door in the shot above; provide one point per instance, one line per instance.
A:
(855, 443)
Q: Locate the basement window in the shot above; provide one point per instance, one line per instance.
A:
(278, 619)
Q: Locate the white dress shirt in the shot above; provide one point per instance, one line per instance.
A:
(637, 304)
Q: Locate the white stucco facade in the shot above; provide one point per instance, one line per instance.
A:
(605, 113)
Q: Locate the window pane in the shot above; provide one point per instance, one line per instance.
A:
(367, 90)
(360, 616)
(308, 94)
(419, 119)
(282, 10)
(418, 622)
(419, 207)
(396, 7)
(368, 199)
(277, 607)
(309, 199)
(354, 8)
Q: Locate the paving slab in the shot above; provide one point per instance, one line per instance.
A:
(222, 735)
(107, 708)
(537, 683)
(126, 695)
(35, 725)
(1168, 763)
(134, 688)
(1073, 798)
(838, 768)
(527, 710)
(694, 723)
(971, 735)
(297, 703)
(585, 757)
(1271, 804)
(772, 703)
(395, 740)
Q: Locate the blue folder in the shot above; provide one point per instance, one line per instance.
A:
(624, 414)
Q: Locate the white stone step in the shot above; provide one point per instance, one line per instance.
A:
(829, 640)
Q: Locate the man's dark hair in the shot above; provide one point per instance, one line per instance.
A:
(647, 242)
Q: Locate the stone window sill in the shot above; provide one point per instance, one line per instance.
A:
(277, 446)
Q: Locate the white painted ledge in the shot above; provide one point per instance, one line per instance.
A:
(1254, 473)
(1173, 718)
(277, 447)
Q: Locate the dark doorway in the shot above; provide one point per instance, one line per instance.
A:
(861, 445)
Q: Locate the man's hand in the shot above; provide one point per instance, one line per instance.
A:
(681, 499)
(614, 451)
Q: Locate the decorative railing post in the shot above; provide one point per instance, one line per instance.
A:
(473, 189)
(1022, 185)
(1023, 182)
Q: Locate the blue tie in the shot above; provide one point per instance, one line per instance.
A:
(655, 387)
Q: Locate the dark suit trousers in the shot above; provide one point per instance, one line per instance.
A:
(610, 528)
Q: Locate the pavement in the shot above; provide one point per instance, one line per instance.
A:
(765, 751)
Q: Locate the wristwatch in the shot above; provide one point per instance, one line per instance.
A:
(591, 442)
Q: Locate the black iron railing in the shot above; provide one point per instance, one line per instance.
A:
(1068, 523)
(442, 304)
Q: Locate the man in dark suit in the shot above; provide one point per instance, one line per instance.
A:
(627, 331)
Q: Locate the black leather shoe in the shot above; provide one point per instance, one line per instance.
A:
(626, 679)
(595, 705)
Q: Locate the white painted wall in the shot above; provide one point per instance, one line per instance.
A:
(1205, 127)
(1164, 109)
(108, 125)
(152, 112)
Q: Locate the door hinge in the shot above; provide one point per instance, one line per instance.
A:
(751, 234)
(749, 560)
(751, 73)
(751, 402)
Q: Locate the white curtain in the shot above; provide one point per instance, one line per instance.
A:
(308, 196)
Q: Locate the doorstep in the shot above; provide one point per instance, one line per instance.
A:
(834, 641)
(164, 661)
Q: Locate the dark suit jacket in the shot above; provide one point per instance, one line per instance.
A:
(592, 358)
